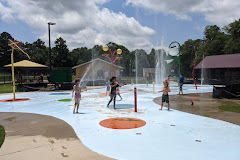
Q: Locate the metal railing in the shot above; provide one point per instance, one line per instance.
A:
(4, 79)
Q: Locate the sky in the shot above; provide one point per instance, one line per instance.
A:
(136, 24)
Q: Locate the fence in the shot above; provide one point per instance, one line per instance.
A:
(5, 79)
(142, 80)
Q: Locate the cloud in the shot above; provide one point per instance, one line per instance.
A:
(80, 22)
(6, 13)
(220, 12)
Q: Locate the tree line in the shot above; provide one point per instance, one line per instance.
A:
(216, 41)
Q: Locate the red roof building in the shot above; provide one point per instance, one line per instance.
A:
(220, 61)
(220, 69)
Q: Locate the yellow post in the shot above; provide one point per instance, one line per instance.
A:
(153, 87)
(13, 79)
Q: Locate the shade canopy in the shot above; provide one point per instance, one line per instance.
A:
(25, 63)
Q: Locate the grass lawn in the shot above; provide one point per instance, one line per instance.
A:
(6, 88)
(5, 75)
(231, 108)
(2, 135)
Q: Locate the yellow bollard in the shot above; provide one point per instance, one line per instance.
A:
(153, 87)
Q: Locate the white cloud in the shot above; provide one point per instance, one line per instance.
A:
(6, 13)
(80, 22)
(220, 12)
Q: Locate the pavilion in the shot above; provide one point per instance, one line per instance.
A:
(220, 69)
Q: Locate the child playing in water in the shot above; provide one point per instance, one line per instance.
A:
(77, 90)
(165, 91)
(181, 80)
(108, 87)
(114, 85)
(118, 92)
(168, 79)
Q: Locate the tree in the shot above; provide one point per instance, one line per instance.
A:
(37, 51)
(233, 43)
(151, 58)
(5, 50)
(214, 40)
(189, 50)
(60, 54)
(80, 55)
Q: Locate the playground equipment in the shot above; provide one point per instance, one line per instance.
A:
(15, 45)
(193, 72)
(135, 98)
(175, 51)
(112, 60)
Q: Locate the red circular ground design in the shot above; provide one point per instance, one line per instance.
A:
(122, 123)
(16, 100)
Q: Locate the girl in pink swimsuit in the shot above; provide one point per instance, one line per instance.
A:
(77, 96)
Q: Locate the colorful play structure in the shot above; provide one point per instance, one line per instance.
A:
(111, 59)
(175, 53)
(15, 45)
(194, 71)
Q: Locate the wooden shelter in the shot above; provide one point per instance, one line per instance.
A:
(220, 69)
(96, 69)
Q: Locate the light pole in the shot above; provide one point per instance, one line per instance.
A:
(112, 60)
(49, 49)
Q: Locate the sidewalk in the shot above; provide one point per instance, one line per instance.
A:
(38, 137)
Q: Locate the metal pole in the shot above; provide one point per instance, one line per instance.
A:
(135, 97)
(112, 63)
(179, 66)
(112, 70)
(179, 60)
(129, 74)
(13, 78)
(49, 50)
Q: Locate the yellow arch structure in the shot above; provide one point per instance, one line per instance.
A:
(14, 46)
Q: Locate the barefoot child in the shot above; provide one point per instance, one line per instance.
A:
(165, 91)
(77, 90)
(181, 80)
(108, 87)
(114, 85)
